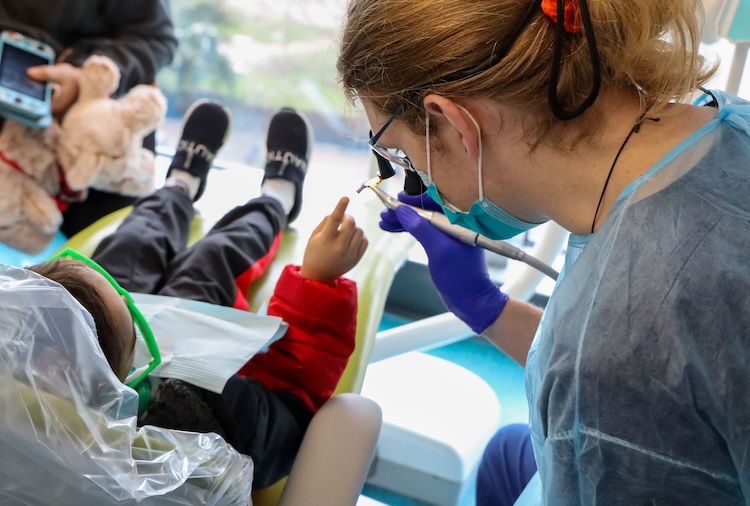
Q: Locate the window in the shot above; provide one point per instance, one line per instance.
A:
(256, 57)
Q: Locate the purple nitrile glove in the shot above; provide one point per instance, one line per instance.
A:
(459, 272)
(390, 223)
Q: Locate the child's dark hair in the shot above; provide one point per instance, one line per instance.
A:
(71, 274)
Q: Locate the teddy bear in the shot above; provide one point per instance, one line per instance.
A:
(97, 145)
(101, 143)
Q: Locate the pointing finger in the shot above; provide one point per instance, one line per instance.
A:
(338, 212)
(333, 220)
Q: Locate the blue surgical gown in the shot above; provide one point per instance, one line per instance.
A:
(639, 376)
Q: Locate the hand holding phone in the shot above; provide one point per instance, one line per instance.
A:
(64, 78)
(23, 99)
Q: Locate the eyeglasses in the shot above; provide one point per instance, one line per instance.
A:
(136, 374)
(384, 154)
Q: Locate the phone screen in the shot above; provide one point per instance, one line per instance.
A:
(13, 67)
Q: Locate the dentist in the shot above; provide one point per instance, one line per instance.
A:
(515, 112)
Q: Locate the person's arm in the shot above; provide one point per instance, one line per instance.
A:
(514, 329)
(320, 308)
(309, 360)
(142, 40)
(460, 275)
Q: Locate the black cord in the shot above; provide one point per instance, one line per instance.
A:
(636, 128)
(714, 102)
(596, 67)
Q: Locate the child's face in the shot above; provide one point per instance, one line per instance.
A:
(123, 321)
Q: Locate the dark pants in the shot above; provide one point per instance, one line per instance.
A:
(148, 253)
(506, 468)
(98, 204)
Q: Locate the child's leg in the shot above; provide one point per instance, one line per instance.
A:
(220, 268)
(98, 204)
(138, 254)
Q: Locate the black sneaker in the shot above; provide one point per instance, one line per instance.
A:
(204, 130)
(288, 143)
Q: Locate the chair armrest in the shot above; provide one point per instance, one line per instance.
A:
(421, 335)
(332, 462)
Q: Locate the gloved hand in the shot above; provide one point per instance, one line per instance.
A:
(390, 223)
(458, 270)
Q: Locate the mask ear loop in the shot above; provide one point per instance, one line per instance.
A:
(427, 147)
(479, 164)
(554, 80)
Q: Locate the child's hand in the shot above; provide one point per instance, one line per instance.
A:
(335, 246)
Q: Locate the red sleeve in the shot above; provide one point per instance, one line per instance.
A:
(310, 359)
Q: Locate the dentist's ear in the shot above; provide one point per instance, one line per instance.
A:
(462, 124)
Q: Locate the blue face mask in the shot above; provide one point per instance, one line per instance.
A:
(484, 216)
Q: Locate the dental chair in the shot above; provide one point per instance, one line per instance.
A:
(336, 452)
(333, 461)
(68, 434)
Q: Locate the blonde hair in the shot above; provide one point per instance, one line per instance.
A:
(399, 51)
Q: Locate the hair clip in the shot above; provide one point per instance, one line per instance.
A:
(572, 14)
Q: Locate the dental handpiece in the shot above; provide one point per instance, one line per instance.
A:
(439, 221)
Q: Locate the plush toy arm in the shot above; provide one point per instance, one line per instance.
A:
(29, 217)
(143, 108)
(82, 169)
(23, 200)
(134, 176)
(25, 237)
(99, 79)
(41, 209)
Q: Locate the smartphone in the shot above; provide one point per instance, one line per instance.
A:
(22, 99)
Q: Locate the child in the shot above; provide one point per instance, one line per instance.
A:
(263, 410)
